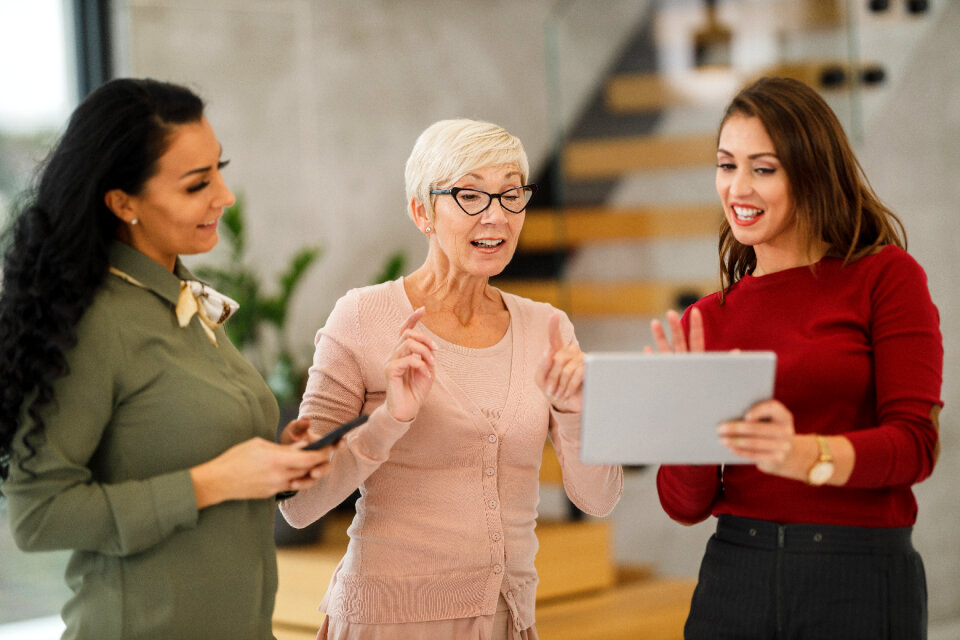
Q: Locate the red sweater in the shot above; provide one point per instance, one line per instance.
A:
(859, 353)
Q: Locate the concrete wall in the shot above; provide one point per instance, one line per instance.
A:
(912, 155)
(318, 102)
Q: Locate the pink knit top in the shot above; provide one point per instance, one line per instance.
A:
(448, 506)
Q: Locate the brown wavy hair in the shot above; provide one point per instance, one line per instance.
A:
(832, 197)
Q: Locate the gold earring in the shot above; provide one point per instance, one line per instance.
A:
(135, 221)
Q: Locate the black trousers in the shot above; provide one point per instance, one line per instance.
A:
(760, 579)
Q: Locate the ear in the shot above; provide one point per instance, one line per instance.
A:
(121, 204)
(419, 212)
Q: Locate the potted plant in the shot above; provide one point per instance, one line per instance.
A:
(263, 312)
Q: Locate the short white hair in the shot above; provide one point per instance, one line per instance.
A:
(447, 150)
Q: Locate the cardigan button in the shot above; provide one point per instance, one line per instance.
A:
(490, 471)
(497, 568)
(492, 438)
(496, 537)
(492, 504)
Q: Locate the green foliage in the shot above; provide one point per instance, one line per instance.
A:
(258, 308)
(261, 311)
(392, 268)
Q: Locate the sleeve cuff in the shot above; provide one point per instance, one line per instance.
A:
(373, 441)
(176, 502)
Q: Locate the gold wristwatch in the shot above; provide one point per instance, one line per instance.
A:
(822, 470)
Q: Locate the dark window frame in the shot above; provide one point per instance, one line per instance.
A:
(94, 51)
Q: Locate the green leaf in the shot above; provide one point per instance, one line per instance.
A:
(257, 309)
(232, 227)
(298, 267)
(392, 268)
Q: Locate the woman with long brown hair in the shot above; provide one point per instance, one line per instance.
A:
(814, 537)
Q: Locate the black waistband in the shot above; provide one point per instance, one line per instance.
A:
(812, 538)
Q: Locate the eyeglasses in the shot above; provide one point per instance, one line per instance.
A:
(474, 201)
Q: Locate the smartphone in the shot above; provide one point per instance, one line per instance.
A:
(334, 436)
(329, 439)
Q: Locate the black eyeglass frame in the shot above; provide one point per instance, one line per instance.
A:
(453, 191)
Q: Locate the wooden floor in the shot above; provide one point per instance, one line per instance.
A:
(654, 608)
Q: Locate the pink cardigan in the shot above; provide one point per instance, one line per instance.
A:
(449, 504)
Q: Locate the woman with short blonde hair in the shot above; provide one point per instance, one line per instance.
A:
(463, 383)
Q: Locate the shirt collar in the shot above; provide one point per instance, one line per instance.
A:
(155, 276)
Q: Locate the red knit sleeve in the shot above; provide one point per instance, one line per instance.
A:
(687, 492)
(908, 366)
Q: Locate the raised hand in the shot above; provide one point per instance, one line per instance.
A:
(678, 342)
(560, 373)
(410, 370)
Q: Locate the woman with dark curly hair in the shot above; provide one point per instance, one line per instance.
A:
(131, 431)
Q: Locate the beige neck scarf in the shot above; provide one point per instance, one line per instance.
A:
(212, 307)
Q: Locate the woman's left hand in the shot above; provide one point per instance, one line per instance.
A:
(766, 436)
(678, 341)
(560, 374)
(295, 431)
(409, 370)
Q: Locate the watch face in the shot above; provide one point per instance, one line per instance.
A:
(820, 473)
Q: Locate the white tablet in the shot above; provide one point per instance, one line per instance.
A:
(643, 408)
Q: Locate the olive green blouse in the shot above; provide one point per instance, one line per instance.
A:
(143, 401)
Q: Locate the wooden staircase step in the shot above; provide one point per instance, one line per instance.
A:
(551, 473)
(568, 228)
(652, 609)
(608, 298)
(641, 92)
(574, 558)
(594, 159)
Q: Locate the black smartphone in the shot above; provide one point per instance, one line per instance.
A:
(331, 438)
(334, 436)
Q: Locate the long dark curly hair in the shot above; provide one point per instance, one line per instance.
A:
(56, 247)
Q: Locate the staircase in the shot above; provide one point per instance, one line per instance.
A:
(626, 225)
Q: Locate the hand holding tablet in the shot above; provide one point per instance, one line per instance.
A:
(647, 408)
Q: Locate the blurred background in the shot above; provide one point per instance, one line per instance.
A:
(317, 104)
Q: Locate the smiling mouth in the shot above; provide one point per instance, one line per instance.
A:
(746, 214)
(486, 244)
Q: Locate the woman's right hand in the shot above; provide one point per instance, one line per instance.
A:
(678, 342)
(410, 370)
(258, 468)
